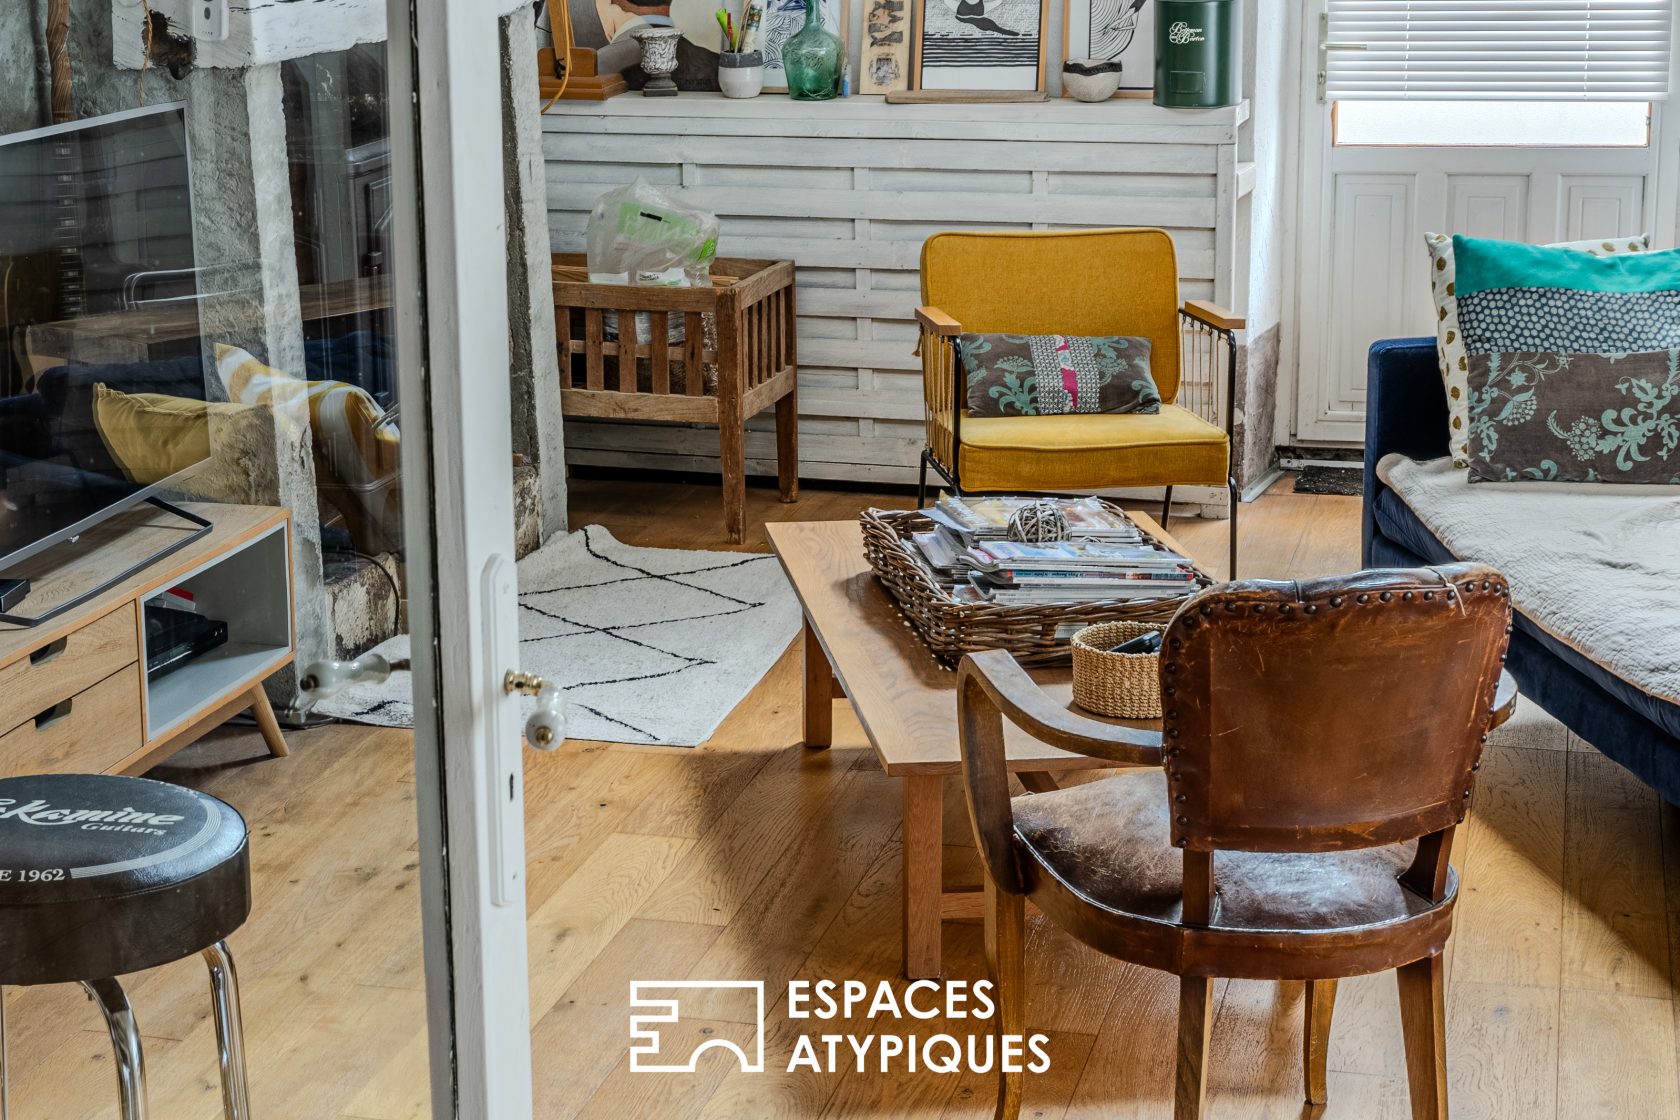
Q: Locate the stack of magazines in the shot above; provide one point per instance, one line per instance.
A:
(987, 519)
(1105, 557)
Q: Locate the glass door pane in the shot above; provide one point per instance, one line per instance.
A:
(197, 262)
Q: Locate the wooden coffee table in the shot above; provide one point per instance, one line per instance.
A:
(858, 645)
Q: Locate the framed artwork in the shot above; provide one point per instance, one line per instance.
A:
(980, 44)
(886, 46)
(782, 21)
(1110, 29)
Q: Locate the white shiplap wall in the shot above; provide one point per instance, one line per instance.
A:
(848, 190)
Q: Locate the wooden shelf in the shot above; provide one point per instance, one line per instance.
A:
(76, 695)
(1124, 119)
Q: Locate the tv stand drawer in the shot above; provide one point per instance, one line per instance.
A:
(57, 670)
(87, 733)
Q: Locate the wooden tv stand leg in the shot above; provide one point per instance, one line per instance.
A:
(263, 712)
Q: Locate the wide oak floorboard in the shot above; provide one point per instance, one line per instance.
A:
(753, 858)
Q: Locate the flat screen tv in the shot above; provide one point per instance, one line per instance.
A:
(98, 297)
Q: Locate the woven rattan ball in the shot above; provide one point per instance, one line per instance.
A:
(1038, 523)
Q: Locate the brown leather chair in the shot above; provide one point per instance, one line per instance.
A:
(1322, 738)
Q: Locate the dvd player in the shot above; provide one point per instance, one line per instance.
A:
(176, 637)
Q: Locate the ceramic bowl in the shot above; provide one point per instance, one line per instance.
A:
(1091, 79)
(740, 73)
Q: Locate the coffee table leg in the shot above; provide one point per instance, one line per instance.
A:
(819, 695)
(923, 839)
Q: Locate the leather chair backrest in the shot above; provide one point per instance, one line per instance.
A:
(1081, 282)
(1333, 714)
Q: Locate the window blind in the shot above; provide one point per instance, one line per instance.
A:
(1505, 50)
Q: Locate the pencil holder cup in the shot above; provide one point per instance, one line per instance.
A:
(741, 73)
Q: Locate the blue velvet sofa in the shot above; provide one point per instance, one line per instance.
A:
(1406, 412)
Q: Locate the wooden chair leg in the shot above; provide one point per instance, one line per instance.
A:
(1166, 508)
(787, 447)
(733, 454)
(921, 484)
(1315, 1056)
(263, 712)
(1195, 1026)
(1006, 918)
(1423, 1021)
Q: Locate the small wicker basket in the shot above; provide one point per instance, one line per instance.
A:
(1122, 685)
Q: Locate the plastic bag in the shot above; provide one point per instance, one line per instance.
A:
(639, 235)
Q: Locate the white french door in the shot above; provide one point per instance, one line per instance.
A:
(1362, 273)
(452, 326)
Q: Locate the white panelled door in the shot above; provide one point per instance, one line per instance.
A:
(1364, 208)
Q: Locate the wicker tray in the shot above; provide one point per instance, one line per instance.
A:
(1037, 634)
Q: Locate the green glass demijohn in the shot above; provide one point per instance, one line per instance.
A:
(812, 59)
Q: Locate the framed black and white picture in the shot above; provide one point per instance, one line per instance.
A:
(980, 44)
(1115, 29)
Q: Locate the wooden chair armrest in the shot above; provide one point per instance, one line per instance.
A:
(1215, 316)
(935, 321)
(1020, 700)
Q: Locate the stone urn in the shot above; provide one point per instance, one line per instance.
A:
(659, 60)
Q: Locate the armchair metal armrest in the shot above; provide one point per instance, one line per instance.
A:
(935, 321)
(991, 686)
(1215, 316)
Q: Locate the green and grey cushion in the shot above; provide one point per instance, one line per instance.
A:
(1517, 297)
(1449, 334)
(1561, 417)
(1053, 374)
(1572, 374)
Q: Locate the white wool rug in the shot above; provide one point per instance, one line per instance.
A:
(651, 645)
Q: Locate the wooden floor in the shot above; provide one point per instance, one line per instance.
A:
(754, 858)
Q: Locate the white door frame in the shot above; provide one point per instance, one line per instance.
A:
(452, 327)
(1312, 420)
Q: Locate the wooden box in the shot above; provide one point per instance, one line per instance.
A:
(687, 355)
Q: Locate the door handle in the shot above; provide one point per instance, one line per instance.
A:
(1325, 46)
(321, 679)
(545, 728)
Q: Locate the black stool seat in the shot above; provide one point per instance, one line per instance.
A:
(101, 876)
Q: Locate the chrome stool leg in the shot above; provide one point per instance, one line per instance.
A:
(230, 1031)
(125, 1042)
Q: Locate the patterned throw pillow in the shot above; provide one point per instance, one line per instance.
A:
(1449, 336)
(1563, 417)
(1515, 297)
(1051, 374)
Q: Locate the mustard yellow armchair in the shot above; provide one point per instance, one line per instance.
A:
(1085, 282)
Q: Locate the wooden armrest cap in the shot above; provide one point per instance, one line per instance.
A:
(1206, 311)
(936, 321)
(1027, 706)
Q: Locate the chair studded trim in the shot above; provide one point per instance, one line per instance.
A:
(1394, 671)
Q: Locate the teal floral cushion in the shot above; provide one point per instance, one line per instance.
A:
(1564, 417)
(1051, 374)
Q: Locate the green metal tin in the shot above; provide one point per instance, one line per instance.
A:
(1198, 46)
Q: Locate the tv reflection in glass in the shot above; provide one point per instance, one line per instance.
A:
(98, 325)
